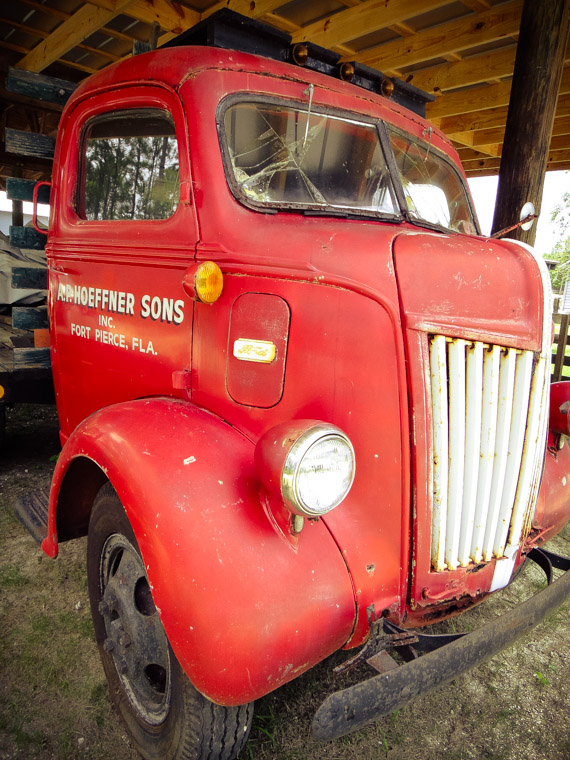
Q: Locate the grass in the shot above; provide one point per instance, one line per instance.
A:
(54, 702)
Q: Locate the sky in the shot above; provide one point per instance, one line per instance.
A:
(484, 192)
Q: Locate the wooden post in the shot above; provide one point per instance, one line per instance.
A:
(17, 214)
(536, 79)
(561, 348)
(17, 205)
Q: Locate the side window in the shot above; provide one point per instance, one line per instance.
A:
(130, 167)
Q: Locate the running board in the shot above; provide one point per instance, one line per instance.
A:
(31, 509)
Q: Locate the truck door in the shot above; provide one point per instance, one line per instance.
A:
(123, 233)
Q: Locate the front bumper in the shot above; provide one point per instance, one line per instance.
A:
(350, 709)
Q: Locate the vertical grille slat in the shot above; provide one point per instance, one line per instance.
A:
(472, 447)
(438, 362)
(457, 401)
(491, 364)
(504, 417)
(518, 428)
(532, 439)
(488, 432)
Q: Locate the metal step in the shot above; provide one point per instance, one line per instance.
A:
(31, 509)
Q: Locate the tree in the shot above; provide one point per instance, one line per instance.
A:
(561, 253)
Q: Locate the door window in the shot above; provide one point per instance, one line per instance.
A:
(130, 167)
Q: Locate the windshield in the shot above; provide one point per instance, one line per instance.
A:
(433, 190)
(288, 157)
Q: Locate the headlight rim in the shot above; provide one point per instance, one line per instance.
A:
(290, 472)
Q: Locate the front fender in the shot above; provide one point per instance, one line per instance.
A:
(244, 610)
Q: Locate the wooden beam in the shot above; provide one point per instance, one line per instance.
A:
(476, 5)
(490, 166)
(487, 151)
(23, 190)
(171, 16)
(488, 136)
(38, 86)
(536, 83)
(472, 99)
(475, 98)
(489, 118)
(74, 30)
(29, 143)
(42, 34)
(472, 70)
(467, 72)
(56, 13)
(367, 17)
(255, 9)
(451, 37)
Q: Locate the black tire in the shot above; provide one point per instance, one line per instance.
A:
(165, 716)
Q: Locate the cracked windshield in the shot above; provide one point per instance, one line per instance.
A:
(292, 158)
(433, 191)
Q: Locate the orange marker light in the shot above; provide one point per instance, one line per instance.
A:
(300, 54)
(204, 282)
(387, 87)
(209, 282)
(347, 72)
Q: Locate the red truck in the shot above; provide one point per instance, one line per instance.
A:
(304, 403)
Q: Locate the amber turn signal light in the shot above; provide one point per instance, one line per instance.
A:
(300, 53)
(387, 88)
(347, 72)
(204, 282)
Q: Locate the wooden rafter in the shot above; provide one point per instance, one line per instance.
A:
(369, 16)
(451, 37)
(462, 51)
(88, 19)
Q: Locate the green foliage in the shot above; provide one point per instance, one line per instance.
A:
(541, 679)
(561, 253)
(561, 273)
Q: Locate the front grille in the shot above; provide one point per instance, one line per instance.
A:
(488, 442)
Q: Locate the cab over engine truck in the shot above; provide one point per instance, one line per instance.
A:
(304, 403)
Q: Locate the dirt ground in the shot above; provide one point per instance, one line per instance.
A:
(53, 696)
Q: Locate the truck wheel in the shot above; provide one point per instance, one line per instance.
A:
(164, 714)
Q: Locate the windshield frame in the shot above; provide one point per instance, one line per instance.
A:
(401, 212)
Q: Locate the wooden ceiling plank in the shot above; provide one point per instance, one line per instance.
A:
(472, 99)
(491, 151)
(171, 16)
(70, 33)
(254, 10)
(451, 37)
(489, 118)
(476, 5)
(64, 16)
(369, 16)
(476, 98)
(42, 34)
(489, 136)
(463, 138)
(467, 72)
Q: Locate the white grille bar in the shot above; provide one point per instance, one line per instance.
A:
(488, 432)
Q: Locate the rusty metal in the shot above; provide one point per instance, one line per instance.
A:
(350, 709)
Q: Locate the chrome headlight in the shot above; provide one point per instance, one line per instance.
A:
(310, 464)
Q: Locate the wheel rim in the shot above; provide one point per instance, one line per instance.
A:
(135, 638)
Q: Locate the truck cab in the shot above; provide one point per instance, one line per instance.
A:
(302, 399)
